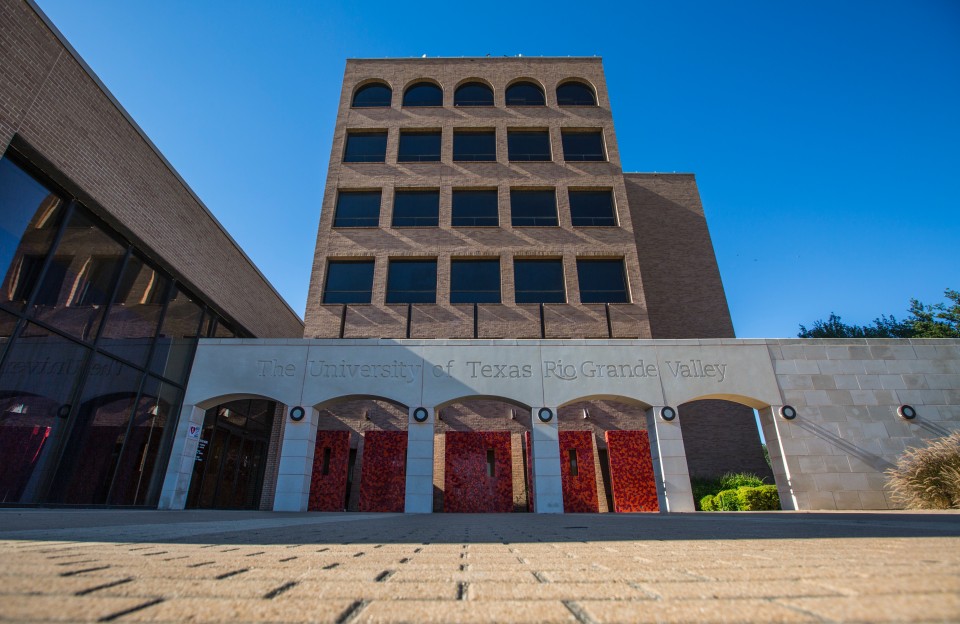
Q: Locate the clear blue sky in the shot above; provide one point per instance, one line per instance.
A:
(825, 136)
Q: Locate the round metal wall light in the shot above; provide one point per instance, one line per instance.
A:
(297, 413)
(63, 411)
(906, 412)
(420, 414)
(788, 412)
(545, 415)
(667, 413)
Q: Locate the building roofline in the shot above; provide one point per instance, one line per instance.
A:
(143, 135)
(659, 173)
(477, 58)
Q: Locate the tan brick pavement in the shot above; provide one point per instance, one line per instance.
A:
(259, 567)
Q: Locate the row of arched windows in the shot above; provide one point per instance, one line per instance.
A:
(474, 93)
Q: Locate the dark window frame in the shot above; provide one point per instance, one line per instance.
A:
(420, 84)
(370, 221)
(571, 156)
(372, 157)
(564, 100)
(521, 294)
(414, 219)
(516, 101)
(457, 102)
(513, 150)
(367, 86)
(598, 295)
(474, 221)
(337, 262)
(460, 295)
(396, 296)
(518, 219)
(591, 220)
(462, 132)
(419, 157)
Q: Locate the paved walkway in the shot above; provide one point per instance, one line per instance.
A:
(197, 566)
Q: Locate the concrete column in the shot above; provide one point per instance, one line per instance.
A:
(418, 497)
(547, 483)
(183, 455)
(669, 462)
(771, 423)
(296, 462)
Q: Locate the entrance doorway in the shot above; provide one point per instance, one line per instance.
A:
(231, 455)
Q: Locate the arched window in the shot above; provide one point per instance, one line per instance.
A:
(473, 94)
(575, 94)
(373, 95)
(525, 94)
(423, 94)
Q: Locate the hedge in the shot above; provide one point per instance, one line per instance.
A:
(745, 498)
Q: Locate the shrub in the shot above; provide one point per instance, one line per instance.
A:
(703, 487)
(706, 503)
(928, 477)
(734, 480)
(726, 500)
(761, 498)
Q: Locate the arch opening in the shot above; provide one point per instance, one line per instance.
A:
(575, 93)
(525, 93)
(423, 93)
(373, 94)
(473, 93)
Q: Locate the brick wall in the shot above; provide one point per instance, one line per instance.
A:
(54, 113)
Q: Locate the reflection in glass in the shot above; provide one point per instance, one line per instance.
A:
(75, 295)
(137, 482)
(174, 347)
(133, 317)
(37, 380)
(29, 219)
(97, 434)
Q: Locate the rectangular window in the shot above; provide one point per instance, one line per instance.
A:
(325, 468)
(538, 281)
(416, 209)
(366, 147)
(533, 208)
(592, 208)
(475, 145)
(574, 468)
(475, 281)
(491, 463)
(357, 209)
(602, 281)
(419, 147)
(528, 145)
(412, 281)
(348, 281)
(583, 146)
(475, 209)
(97, 281)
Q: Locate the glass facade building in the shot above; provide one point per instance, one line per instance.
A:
(96, 342)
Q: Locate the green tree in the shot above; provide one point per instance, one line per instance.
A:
(941, 320)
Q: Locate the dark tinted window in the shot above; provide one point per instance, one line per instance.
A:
(538, 281)
(525, 94)
(366, 147)
(575, 94)
(583, 146)
(372, 95)
(416, 209)
(473, 94)
(357, 209)
(592, 208)
(348, 282)
(602, 281)
(475, 281)
(528, 145)
(423, 94)
(536, 208)
(412, 281)
(475, 208)
(475, 145)
(419, 147)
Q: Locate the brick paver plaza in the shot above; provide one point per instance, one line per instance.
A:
(201, 566)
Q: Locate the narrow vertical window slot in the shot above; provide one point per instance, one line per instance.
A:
(574, 469)
(491, 463)
(326, 462)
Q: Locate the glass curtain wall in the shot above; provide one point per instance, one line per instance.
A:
(95, 348)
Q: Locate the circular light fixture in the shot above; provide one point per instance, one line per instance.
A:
(297, 413)
(420, 414)
(667, 413)
(788, 412)
(545, 415)
(906, 412)
(63, 411)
